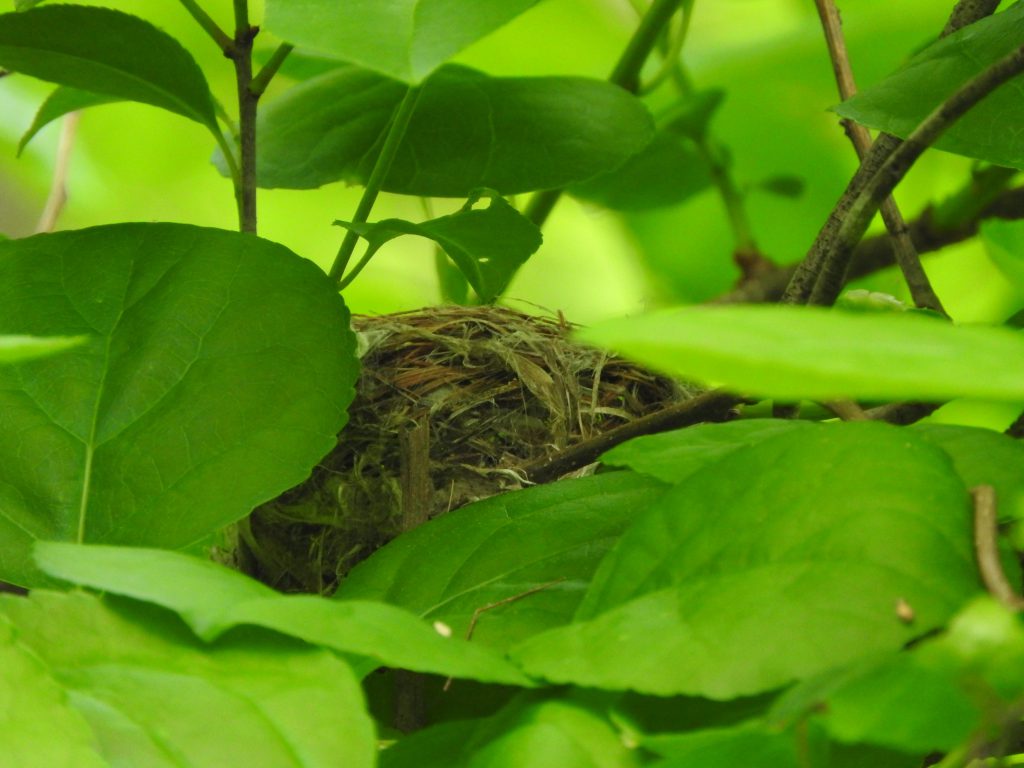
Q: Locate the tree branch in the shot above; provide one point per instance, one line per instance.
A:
(986, 548)
(58, 196)
(241, 55)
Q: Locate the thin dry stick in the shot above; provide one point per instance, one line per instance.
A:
(986, 549)
(903, 247)
(58, 196)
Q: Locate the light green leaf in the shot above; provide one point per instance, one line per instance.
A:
(776, 562)
(217, 372)
(901, 101)
(214, 599)
(59, 103)
(527, 732)
(155, 696)
(809, 352)
(404, 39)
(106, 52)
(751, 745)
(468, 131)
(540, 545)
(488, 245)
(16, 349)
(34, 708)
(1004, 243)
(665, 172)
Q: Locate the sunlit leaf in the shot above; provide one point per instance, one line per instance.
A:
(808, 352)
(216, 373)
(16, 349)
(407, 39)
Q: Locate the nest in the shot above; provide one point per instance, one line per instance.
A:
(452, 404)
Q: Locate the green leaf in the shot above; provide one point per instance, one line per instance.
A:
(407, 39)
(783, 185)
(59, 103)
(155, 696)
(536, 548)
(16, 349)
(299, 65)
(488, 245)
(213, 599)
(1004, 243)
(511, 134)
(809, 352)
(217, 372)
(526, 732)
(35, 707)
(930, 698)
(751, 745)
(665, 172)
(778, 561)
(691, 116)
(106, 52)
(673, 456)
(901, 101)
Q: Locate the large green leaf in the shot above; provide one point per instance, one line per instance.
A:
(155, 696)
(106, 52)
(34, 707)
(404, 39)
(529, 731)
(810, 352)
(213, 600)
(487, 245)
(548, 539)
(59, 103)
(901, 101)
(780, 560)
(217, 372)
(468, 131)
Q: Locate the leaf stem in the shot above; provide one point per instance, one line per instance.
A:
(259, 83)
(625, 74)
(211, 27)
(986, 548)
(241, 56)
(396, 132)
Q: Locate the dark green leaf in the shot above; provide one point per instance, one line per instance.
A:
(541, 546)
(783, 185)
(901, 101)
(488, 245)
(59, 103)
(690, 116)
(1004, 243)
(106, 52)
(665, 172)
(213, 600)
(406, 40)
(808, 352)
(16, 349)
(155, 696)
(778, 561)
(217, 372)
(512, 134)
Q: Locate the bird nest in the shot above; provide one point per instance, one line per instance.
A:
(452, 404)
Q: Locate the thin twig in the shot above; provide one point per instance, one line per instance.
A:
(847, 410)
(967, 12)
(921, 290)
(219, 36)
(58, 196)
(986, 548)
(240, 54)
(260, 82)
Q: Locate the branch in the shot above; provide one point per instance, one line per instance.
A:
(58, 196)
(260, 82)
(967, 12)
(903, 247)
(240, 54)
(219, 36)
(986, 548)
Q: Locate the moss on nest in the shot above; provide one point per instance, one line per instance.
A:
(495, 390)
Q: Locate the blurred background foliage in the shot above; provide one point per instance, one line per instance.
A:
(134, 163)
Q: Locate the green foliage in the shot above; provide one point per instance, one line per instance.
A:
(60, 102)
(143, 435)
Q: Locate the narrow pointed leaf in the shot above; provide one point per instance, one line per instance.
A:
(106, 52)
(407, 39)
(59, 103)
(487, 245)
(216, 373)
(805, 352)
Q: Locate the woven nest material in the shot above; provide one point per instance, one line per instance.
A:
(451, 405)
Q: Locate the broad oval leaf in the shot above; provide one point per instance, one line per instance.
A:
(487, 245)
(154, 695)
(533, 552)
(106, 52)
(469, 130)
(404, 39)
(901, 101)
(825, 354)
(59, 103)
(780, 561)
(217, 372)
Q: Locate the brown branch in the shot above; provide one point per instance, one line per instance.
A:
(58, 196)
(709, 406)
(986, 548)
(903, 247)
(967, 12)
